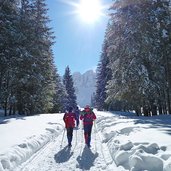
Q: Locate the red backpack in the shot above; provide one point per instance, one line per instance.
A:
(69, 119)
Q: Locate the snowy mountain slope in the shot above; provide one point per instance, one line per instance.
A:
(119, 143)
(85, 86)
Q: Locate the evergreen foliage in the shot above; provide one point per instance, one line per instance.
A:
(138, 48)
(93, 100)
(28, 81)
(60, 94)
(9, 51)
(103, 76)
(70, 100)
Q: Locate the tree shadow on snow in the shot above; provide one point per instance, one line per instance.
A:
(157, 122)
(4, 122)
(63, 155)
(86, 161)
(7, 119)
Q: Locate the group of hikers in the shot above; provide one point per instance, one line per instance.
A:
(72, 116)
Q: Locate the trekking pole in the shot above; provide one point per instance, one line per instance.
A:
(76, 138)
(82, 139)
(95, 131)
(62, 138)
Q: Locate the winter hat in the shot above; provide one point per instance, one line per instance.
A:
(87, 107)
(70, 109)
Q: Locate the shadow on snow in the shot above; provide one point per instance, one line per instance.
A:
(63, 155)
(3, 121)
(6, 120)
(155, 122)
(86, 161)
(159, 121)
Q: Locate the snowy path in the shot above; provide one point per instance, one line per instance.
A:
(53, 157)
(135, 144)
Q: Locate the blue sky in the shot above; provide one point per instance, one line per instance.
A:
(78, 44)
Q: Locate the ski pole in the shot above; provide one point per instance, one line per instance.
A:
(95, 130)
(76, 138)
(62, 137)
(82, 139)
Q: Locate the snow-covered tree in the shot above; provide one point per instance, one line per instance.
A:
(134, 51)
(26, 58)
(93, 100)
(103, 76)
(60, 94)
(9, 39)
(163, 17)
(69, 87)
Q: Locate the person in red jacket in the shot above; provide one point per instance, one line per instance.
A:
(88, 117)
(69, 119)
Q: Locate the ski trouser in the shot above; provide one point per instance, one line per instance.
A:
(87, 133)
(77, 121)
(69, 134)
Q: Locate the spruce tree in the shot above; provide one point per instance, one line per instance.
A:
(59, 95)
(9, 50)
(40, 82)
(135, 40)
(25, 73)
(70, 90)
(163, 15)
(26, 60)
(103, 76)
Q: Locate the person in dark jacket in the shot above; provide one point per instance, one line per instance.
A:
(77, 113)
(69, 119)
(88, 117)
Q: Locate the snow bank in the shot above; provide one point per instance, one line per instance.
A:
(137, 144)
(19, 153)
(134, 143)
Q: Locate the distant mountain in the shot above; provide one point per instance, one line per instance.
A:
(85, 86)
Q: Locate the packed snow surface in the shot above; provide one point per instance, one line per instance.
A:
(120, 142)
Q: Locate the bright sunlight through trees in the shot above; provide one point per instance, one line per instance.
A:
(89, 10)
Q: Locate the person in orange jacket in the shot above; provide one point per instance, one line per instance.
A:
(69, 119)
(88, 116)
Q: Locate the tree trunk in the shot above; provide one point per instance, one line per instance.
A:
(168, 103)
(138, 111)
(164, 109)
(154, 110)
(146, 111)
(5, 107)
(10, 110)
(14, 106)
(20, 109)
(160, 109)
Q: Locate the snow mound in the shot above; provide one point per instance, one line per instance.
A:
(143, 161)
(126, 139)
(22, 152)
(167, 166)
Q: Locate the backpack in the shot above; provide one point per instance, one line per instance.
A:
(70, 119)
(88, 117)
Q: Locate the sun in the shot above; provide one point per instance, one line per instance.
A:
(89, 11)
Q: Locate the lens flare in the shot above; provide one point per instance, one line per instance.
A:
(89, 10)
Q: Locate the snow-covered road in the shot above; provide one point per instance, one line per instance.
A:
(54, 157)
(120, 142)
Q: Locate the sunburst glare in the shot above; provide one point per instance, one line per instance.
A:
(89, 10)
